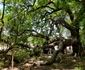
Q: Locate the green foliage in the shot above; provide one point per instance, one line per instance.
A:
(42, 2)
(78, 68)
(1, 64)
(38, 18)
(53, 66)
(21, 55)
(21, 15)
(35, 41)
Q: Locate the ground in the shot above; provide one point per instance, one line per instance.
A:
(61, 63)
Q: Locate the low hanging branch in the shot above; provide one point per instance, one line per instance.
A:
(35, 33)
(21, 45)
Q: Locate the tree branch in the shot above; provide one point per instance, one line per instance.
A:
(66, 25)
(35, 33)
(70, 14)
(23, 46)
(32, 9)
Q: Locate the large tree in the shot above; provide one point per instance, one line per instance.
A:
(41, 22)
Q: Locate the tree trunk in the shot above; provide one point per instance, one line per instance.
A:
(77, 46)
(53, 57)
(12, 62)
(55, 53)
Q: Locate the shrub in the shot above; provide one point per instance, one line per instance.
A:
(79, 68)
(21, 55)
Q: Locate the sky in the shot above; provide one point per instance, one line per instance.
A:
(1, 6)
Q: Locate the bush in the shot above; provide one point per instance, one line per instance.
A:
(79, 68)
(21, 55)
(1, 65)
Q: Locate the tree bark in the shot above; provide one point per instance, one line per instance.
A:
(55, 53)
(77, 46)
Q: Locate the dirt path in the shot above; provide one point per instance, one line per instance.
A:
(67, 63)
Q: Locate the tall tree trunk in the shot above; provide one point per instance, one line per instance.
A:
(77, 47)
